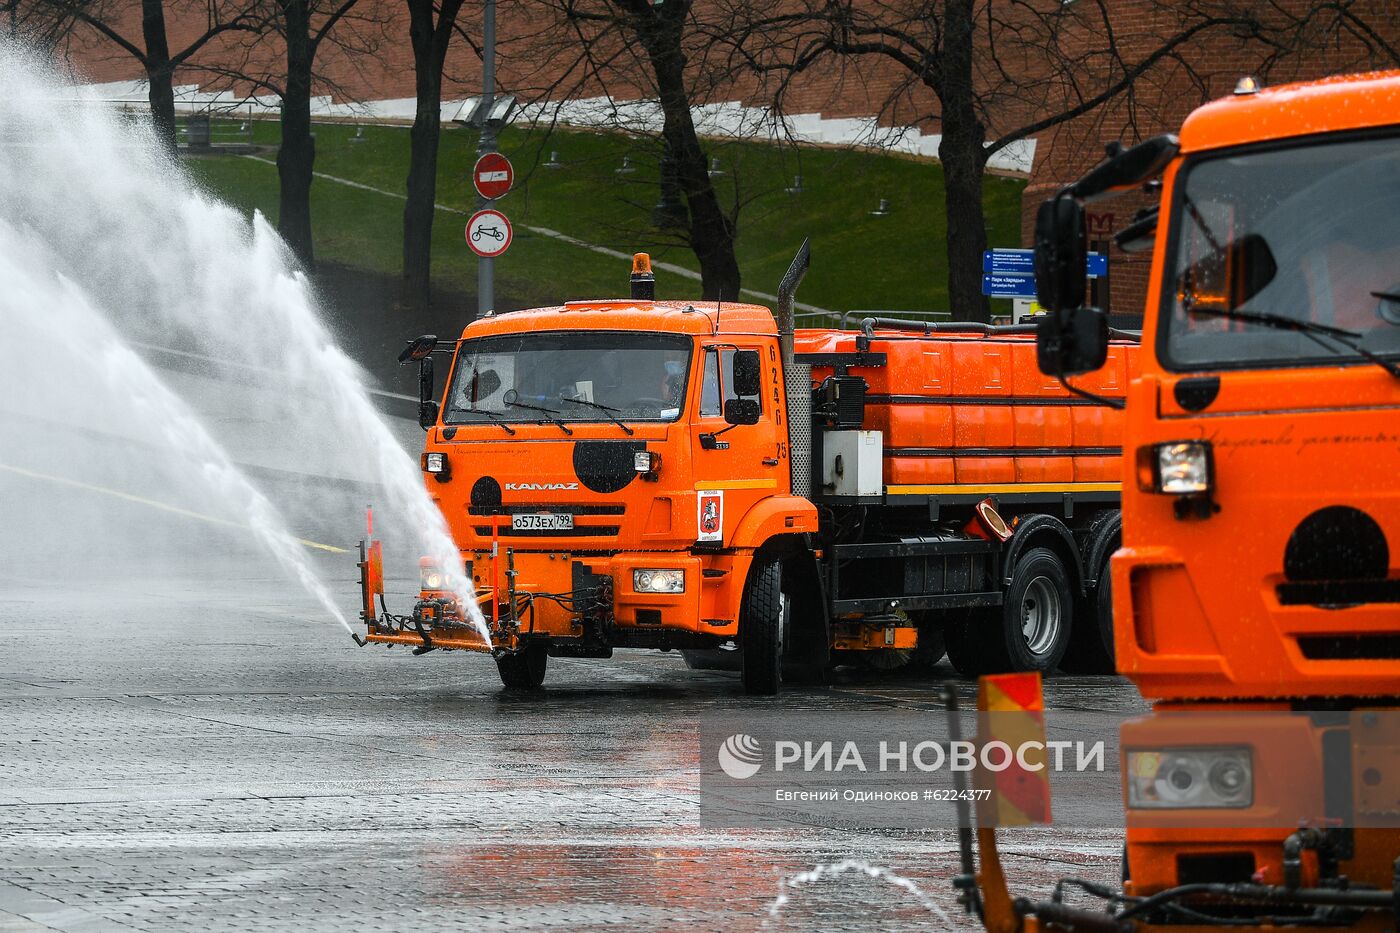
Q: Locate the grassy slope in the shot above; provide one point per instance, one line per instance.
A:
(859, 261)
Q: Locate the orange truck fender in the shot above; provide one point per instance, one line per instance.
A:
(776, 515)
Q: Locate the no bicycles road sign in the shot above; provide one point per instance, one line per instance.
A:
(488, 233)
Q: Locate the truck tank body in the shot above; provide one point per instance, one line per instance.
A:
(968, 410)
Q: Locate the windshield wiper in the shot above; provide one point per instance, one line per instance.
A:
(497, 419)
(1347, 338)
(606, 410)
(549, 413)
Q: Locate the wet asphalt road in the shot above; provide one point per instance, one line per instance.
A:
(178, 754)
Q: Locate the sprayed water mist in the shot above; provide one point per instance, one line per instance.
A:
(69, 316)
(857, 867)
(116, 247)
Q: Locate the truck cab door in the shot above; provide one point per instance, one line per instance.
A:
(735, 466)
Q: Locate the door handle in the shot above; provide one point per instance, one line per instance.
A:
(770, 461)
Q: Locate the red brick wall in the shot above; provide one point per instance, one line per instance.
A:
(535, 50)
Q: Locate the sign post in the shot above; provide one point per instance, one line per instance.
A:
(486, 266)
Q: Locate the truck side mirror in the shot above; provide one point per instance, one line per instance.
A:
(427, 405)
(747, 367)
(418, 348)
(1072, 341)
(1060, 254)
(741, 410)
(427, 415)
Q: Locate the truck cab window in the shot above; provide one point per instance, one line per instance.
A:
(1309, 232)
(710, 392)
(717, 382)
(594, 376)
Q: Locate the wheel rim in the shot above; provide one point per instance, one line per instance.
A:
(1040, 615)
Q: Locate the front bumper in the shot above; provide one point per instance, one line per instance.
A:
(577, 604)
(1335, 771)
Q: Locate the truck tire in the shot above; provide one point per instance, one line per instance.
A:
(1091, 638)
(1030, 632)
(932, 646)
(964, 639)
(525, 669)
(761, 628)
(931, 649)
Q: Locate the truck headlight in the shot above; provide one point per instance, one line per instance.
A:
(435, 461)
(1176, 468)
(658, 581)
(1186, 778)
(430, 577)
(646, 462)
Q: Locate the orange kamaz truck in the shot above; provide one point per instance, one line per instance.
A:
(698, 476)
(1256, 596)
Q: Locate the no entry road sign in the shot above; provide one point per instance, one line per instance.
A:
(492, 176)
(488, 233)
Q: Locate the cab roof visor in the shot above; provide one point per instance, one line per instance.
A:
(1125, 169)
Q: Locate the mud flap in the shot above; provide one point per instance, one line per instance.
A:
(371, 584)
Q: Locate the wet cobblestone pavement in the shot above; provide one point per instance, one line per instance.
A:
(175, 758)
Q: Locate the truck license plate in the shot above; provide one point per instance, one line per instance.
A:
(542, 521)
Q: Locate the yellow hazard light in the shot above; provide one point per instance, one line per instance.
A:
(641, 264)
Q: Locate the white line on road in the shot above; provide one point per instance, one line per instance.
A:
(251, 367)
(155, 504)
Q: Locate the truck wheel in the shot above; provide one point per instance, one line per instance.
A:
(1091, 639)
(964, 639)
(761, 628)
(1030, 632)
(525, 669)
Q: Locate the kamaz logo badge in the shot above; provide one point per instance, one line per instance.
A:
(542, 487)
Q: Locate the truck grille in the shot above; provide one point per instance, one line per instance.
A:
(1350, 647)
(578, 531)
(562, 508)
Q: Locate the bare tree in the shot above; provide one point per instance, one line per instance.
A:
(432, 24)
(645, 52)
(304, 26)
(282, 59)
(54, 21)
(989, 75)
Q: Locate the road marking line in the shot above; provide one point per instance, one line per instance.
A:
(561, 237)
(163, 506)
(249, 366)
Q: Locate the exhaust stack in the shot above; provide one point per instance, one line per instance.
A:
(797, 377)
(787, 298)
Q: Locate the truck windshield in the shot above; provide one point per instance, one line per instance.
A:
(570, 376)
(1309, 233)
